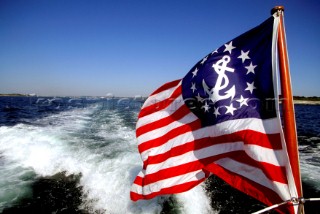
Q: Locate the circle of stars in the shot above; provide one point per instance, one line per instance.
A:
(237, 103)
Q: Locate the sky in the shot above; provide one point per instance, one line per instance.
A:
(132, 47)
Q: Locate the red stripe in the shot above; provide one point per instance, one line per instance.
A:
(160, 105)
(243, 184)
(274, 173)
(246, 136)
(169, 190)
(270, 141)
(166, 86)
(182, 169)
(139, 181)
(259, 192)
(169, 135)
(177, 115)
(178, 150)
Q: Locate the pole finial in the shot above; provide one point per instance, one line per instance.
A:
(276, 9)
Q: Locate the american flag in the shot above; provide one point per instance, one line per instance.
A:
(221, 119)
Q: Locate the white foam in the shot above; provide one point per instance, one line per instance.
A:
(195, 201)
(29, 149)
(309, 168)
(58, 143)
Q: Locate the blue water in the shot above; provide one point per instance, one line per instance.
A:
(79, 155)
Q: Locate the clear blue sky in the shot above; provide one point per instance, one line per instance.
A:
(131, 47)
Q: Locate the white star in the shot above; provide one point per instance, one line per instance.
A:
(230, 109)
(199, 98)
(193, 87)
(243, 101)
(229, 47)
(216, 111)
(206, 107)
(250, 68)
(250, 87)
(244, 56)
(203, 60)
(195, 72)
(215, 51)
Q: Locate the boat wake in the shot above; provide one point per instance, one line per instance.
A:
(93, 148)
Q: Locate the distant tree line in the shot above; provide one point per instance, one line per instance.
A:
(314, 98)
(13, 95)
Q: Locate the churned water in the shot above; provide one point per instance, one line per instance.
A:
(79, 155)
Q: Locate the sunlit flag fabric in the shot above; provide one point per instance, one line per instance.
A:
(221, 118)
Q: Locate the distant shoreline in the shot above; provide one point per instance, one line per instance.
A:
(306, 102)
(296, 99)
(14, 95)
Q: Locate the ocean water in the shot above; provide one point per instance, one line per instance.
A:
(79, 155)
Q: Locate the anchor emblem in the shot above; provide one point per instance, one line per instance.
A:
(222, 81)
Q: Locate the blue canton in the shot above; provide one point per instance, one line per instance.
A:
(234, 81)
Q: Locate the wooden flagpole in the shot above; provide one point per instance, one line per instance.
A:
(290, 133)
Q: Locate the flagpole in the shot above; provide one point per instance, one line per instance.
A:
(290, 133)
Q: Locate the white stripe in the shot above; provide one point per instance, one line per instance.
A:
(195, 156)
(262, 126)
(275, 72)
(175, 105)
(156, 133)
(141, 173)
(262, 154)
(155, 98)
(256, 175)
(173, 142)
(267, 126)
(291, 182)
(252, 173)
(170, 182)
